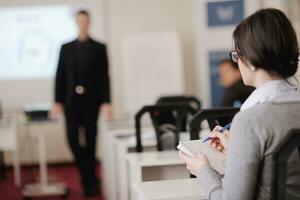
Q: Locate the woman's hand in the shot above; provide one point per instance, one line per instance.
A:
(193, 164)
(220, 140)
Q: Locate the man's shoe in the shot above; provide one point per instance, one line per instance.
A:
(92, 191)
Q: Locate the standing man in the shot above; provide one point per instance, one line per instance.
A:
(81, 89)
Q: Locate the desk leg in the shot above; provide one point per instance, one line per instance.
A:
(135, 176)
(17, 174)
(42, 160)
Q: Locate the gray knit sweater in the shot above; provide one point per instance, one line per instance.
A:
(254, 135)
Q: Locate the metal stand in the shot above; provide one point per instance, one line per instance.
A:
(44, 189)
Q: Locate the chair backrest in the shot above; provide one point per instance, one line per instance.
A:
(180, 111)
(280, 159)
(180, 99)
(214, 116)
(167, 117)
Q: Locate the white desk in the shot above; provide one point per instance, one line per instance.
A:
(111, 132)
(153, 166)
(182, 189)
(107, 151)
(123, 146)
(116, 143)
(9, 142)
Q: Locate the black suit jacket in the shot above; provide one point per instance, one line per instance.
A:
(236, 92)
(95, 78)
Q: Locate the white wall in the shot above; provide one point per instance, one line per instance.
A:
(213, 38)
(126, 17)
(113, 19)
(14, 94)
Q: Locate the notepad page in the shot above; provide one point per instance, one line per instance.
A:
(215, 158)
(186, 150)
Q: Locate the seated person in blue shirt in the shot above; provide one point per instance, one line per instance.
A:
(267, 52)
(235, 92)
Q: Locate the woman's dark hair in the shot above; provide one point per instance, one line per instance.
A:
(267, 40)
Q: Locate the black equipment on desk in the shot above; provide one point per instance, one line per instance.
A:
(37, 112)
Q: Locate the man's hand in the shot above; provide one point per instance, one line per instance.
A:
(106, 108)
(56, 110)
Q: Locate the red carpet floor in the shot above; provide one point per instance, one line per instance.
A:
(63, 173)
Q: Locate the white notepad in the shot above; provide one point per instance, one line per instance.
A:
(215, 158)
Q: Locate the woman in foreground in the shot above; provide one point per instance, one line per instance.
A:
(266, 50)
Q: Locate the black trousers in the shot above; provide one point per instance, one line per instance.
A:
(81, 125)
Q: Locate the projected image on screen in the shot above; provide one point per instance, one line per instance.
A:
(30, 40)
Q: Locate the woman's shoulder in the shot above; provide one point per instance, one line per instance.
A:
(268, 109)
(261, 122)
(265, 114)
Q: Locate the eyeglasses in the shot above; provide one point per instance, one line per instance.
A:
(234, 56)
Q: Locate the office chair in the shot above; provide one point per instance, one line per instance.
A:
(280, 160)
(214, 116)
(179, 110)
(167, 117)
